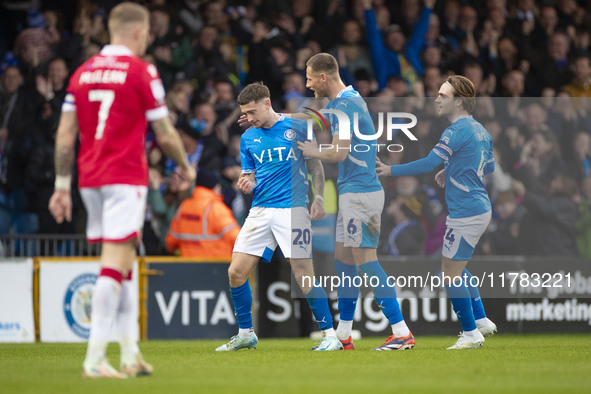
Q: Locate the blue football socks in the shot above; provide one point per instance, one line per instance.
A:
(462, 304)
(242, 299)
(384, 294)
(347, 293)
(477, 306)
(319, 304)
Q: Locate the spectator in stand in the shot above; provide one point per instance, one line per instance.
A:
(579, 160)
(239, 203)
(37, 43)
(485, 86)
(450, 28)
(408, 235)
(549, 225)
(470, 34)
(364, 84)
(20, 132)
(164, 203)
(203, 226)
(208, 61)
(215, 15)
(87, 38)
(584, 222)
(352, 48)
(546, 25)
(53, 89)
(190, 16)
(540, 160)
(212, 134)
(553, 68)
(393, 55)
(433, 80)
(171, 48)
(580, 86)
(504, 236)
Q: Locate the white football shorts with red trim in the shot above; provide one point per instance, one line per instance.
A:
(115, 213)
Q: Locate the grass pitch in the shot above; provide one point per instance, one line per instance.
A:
(507, 363)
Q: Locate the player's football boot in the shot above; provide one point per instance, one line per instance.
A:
(328, 344)
(348, 343)
(135, 365)
(398, 343)
(466, 341)
(488, 329)
(238, 342)
(101, 369)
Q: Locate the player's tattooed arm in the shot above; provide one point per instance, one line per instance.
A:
(169, 141)
(65, 141)
(316, 170)
(60, 203)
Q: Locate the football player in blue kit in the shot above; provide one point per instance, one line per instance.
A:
(275, 171)
(361, 201)
(466, 148)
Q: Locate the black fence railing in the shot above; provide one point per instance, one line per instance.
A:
(46, 245)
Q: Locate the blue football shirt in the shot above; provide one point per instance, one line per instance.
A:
(467, 149)
(357, 173)
(272, 153)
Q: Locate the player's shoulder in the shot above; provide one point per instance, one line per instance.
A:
(298, 124)
(86, 66)
(140, 68)
(249, 134)
(451, 130)
(349, 92)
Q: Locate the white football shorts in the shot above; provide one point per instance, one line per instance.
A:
(267, 228)
(115, 213)
(462, 235)
(359, 219)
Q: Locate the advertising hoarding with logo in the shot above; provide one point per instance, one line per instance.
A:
(521, 295)
(189, 300)
(16, 308)
(65, 297)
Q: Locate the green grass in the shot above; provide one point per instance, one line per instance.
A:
(507, 363)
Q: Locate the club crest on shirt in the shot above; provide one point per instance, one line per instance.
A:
(289, 134)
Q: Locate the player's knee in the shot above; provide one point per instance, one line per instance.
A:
(237, 278)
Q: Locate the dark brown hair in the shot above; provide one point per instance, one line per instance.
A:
(463, 88)
(253, 92)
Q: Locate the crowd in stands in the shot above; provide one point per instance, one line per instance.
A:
(392, 52)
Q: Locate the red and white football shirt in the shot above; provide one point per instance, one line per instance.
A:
(115, 94)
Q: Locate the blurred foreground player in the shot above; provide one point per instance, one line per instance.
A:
(467, 150)
(110, 99)
(274, 170)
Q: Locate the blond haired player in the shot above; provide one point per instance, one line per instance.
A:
(110, 99)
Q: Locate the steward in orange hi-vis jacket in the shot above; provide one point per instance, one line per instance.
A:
(203, 226)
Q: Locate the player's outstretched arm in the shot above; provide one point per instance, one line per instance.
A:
(169, 141)
(316, 169)
(382, 169)
(60, 203)
(421, 166)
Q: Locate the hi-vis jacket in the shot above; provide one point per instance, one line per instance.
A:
(203, 227)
